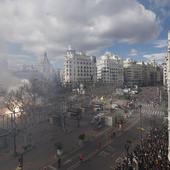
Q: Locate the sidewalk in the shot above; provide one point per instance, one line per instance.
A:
(91, 148)
(45, 135)
(72, 161)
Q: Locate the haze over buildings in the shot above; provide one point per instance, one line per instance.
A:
(83, 80)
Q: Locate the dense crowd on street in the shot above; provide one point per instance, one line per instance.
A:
(151, 154)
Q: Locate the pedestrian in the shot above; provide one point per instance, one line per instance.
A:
(81, 158)
(99, 145)
(113, 134)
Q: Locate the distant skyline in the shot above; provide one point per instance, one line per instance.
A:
(129, 28)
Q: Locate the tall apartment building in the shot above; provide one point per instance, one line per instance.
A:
(110, 69)
(164, 65)
(153, 74)
(142, 74)
(79, 67)
(133, 73)
(168, 83)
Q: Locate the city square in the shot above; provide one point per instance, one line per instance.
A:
(85, 85)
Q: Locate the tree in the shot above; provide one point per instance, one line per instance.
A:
(59, 148)
(81, 138)
(24, 100)
(11, 103)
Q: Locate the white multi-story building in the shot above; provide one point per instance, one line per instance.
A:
(79, 67)
(142, 74)
(164, 65)
(110, 69)
(132, 73)
(168, 83)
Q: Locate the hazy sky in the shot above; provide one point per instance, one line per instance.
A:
(136, 28)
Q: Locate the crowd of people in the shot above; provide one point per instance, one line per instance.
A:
(151, 154)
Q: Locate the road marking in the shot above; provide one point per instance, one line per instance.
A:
(67, 161)
(74, 166)
(52, 168)
(110, 149)
(104, 153)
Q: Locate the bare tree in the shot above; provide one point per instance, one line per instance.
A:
(27, 99)
(21, 103)
(27, 106)
(11, 103)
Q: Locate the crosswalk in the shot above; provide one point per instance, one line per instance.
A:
(109, 150)
(149, 110)
(104, 154)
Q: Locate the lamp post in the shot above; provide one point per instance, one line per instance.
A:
(13, 133)
(140, 112)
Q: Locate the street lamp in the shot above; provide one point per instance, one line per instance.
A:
(140, 112)
(13, 131)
